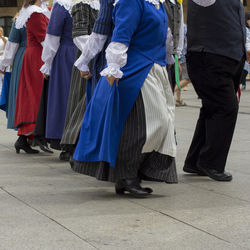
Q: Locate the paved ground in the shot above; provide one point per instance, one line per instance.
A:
(44, 205)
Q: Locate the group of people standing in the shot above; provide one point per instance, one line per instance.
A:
(91, 78)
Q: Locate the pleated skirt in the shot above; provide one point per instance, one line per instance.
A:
(147, 146)
(75, 109)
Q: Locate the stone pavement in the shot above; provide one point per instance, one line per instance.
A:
(44, 205)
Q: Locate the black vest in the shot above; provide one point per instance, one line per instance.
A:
(218, 29)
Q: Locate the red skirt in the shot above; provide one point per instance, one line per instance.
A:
(29, 91)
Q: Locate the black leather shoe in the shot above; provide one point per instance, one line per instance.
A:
(216, 175)
(43, 145)
(22, 143)
(64, 156)
(133, 187)
(191, 170)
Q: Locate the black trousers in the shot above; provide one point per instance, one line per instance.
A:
(216, 80)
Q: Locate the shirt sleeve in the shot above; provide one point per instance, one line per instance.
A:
(181, 35)
(103, 24)
(127, 17)
(37, 24)
(93, 46)
(9, 55)
(56, 22)
(204, 3)
(116, 55)
(50, 48)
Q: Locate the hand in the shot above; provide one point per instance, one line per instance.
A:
(2, 72)
(111, 80)
(248, 56)
(85, 75)
(45, 76)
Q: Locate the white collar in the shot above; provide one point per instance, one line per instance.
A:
(26, 13)
(64, 3)
(94, 4)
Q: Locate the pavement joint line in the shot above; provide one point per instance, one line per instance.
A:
(213, 191)
(183, 222)
(48, 217)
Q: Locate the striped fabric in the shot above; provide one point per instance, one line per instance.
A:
(75, 109)
(131, 162)
(159, 109)
(104, 24)
(83, 21)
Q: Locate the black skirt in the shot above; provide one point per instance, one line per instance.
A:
(130, 162)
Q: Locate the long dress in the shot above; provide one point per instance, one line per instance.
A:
(31, 79)
(128, 129)
(18, 37)
(84, 16)
(60, 25)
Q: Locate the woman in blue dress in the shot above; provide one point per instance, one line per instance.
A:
(58, 55)
(13, 55)
(128, 129)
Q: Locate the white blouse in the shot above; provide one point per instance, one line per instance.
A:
(8, 55)
(94, 44)
(50, 48)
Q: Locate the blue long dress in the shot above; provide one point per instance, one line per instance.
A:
(59, 84)
(16, 36)
(114, 127)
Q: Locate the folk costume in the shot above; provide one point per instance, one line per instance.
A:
(36, 21)
(92, 56)
(13, 55)
(84, 14)
(215, 60)
(58, 55)
(126, 133)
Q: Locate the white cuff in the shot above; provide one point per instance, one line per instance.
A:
(91, 48)
(45, 69)
(81, 65)
(112, 70)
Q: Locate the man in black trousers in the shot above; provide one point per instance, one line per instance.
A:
(215, 60)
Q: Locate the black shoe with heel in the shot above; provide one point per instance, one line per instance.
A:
(22, 143)
(133, 187)
(42, 144)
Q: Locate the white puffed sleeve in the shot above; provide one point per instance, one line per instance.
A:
(80, 41)
(170, 47)
(50, 47)
(116, 55)
(93, 46)
(181, 35)
(8, 55)
(205, 3)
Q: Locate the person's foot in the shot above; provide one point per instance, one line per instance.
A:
(133, 187)
(65, 156)
(216, 175)
(191, 170)
(42, 144)
(22, 143)
(180, 103)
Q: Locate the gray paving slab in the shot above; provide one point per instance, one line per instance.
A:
(44, 205)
